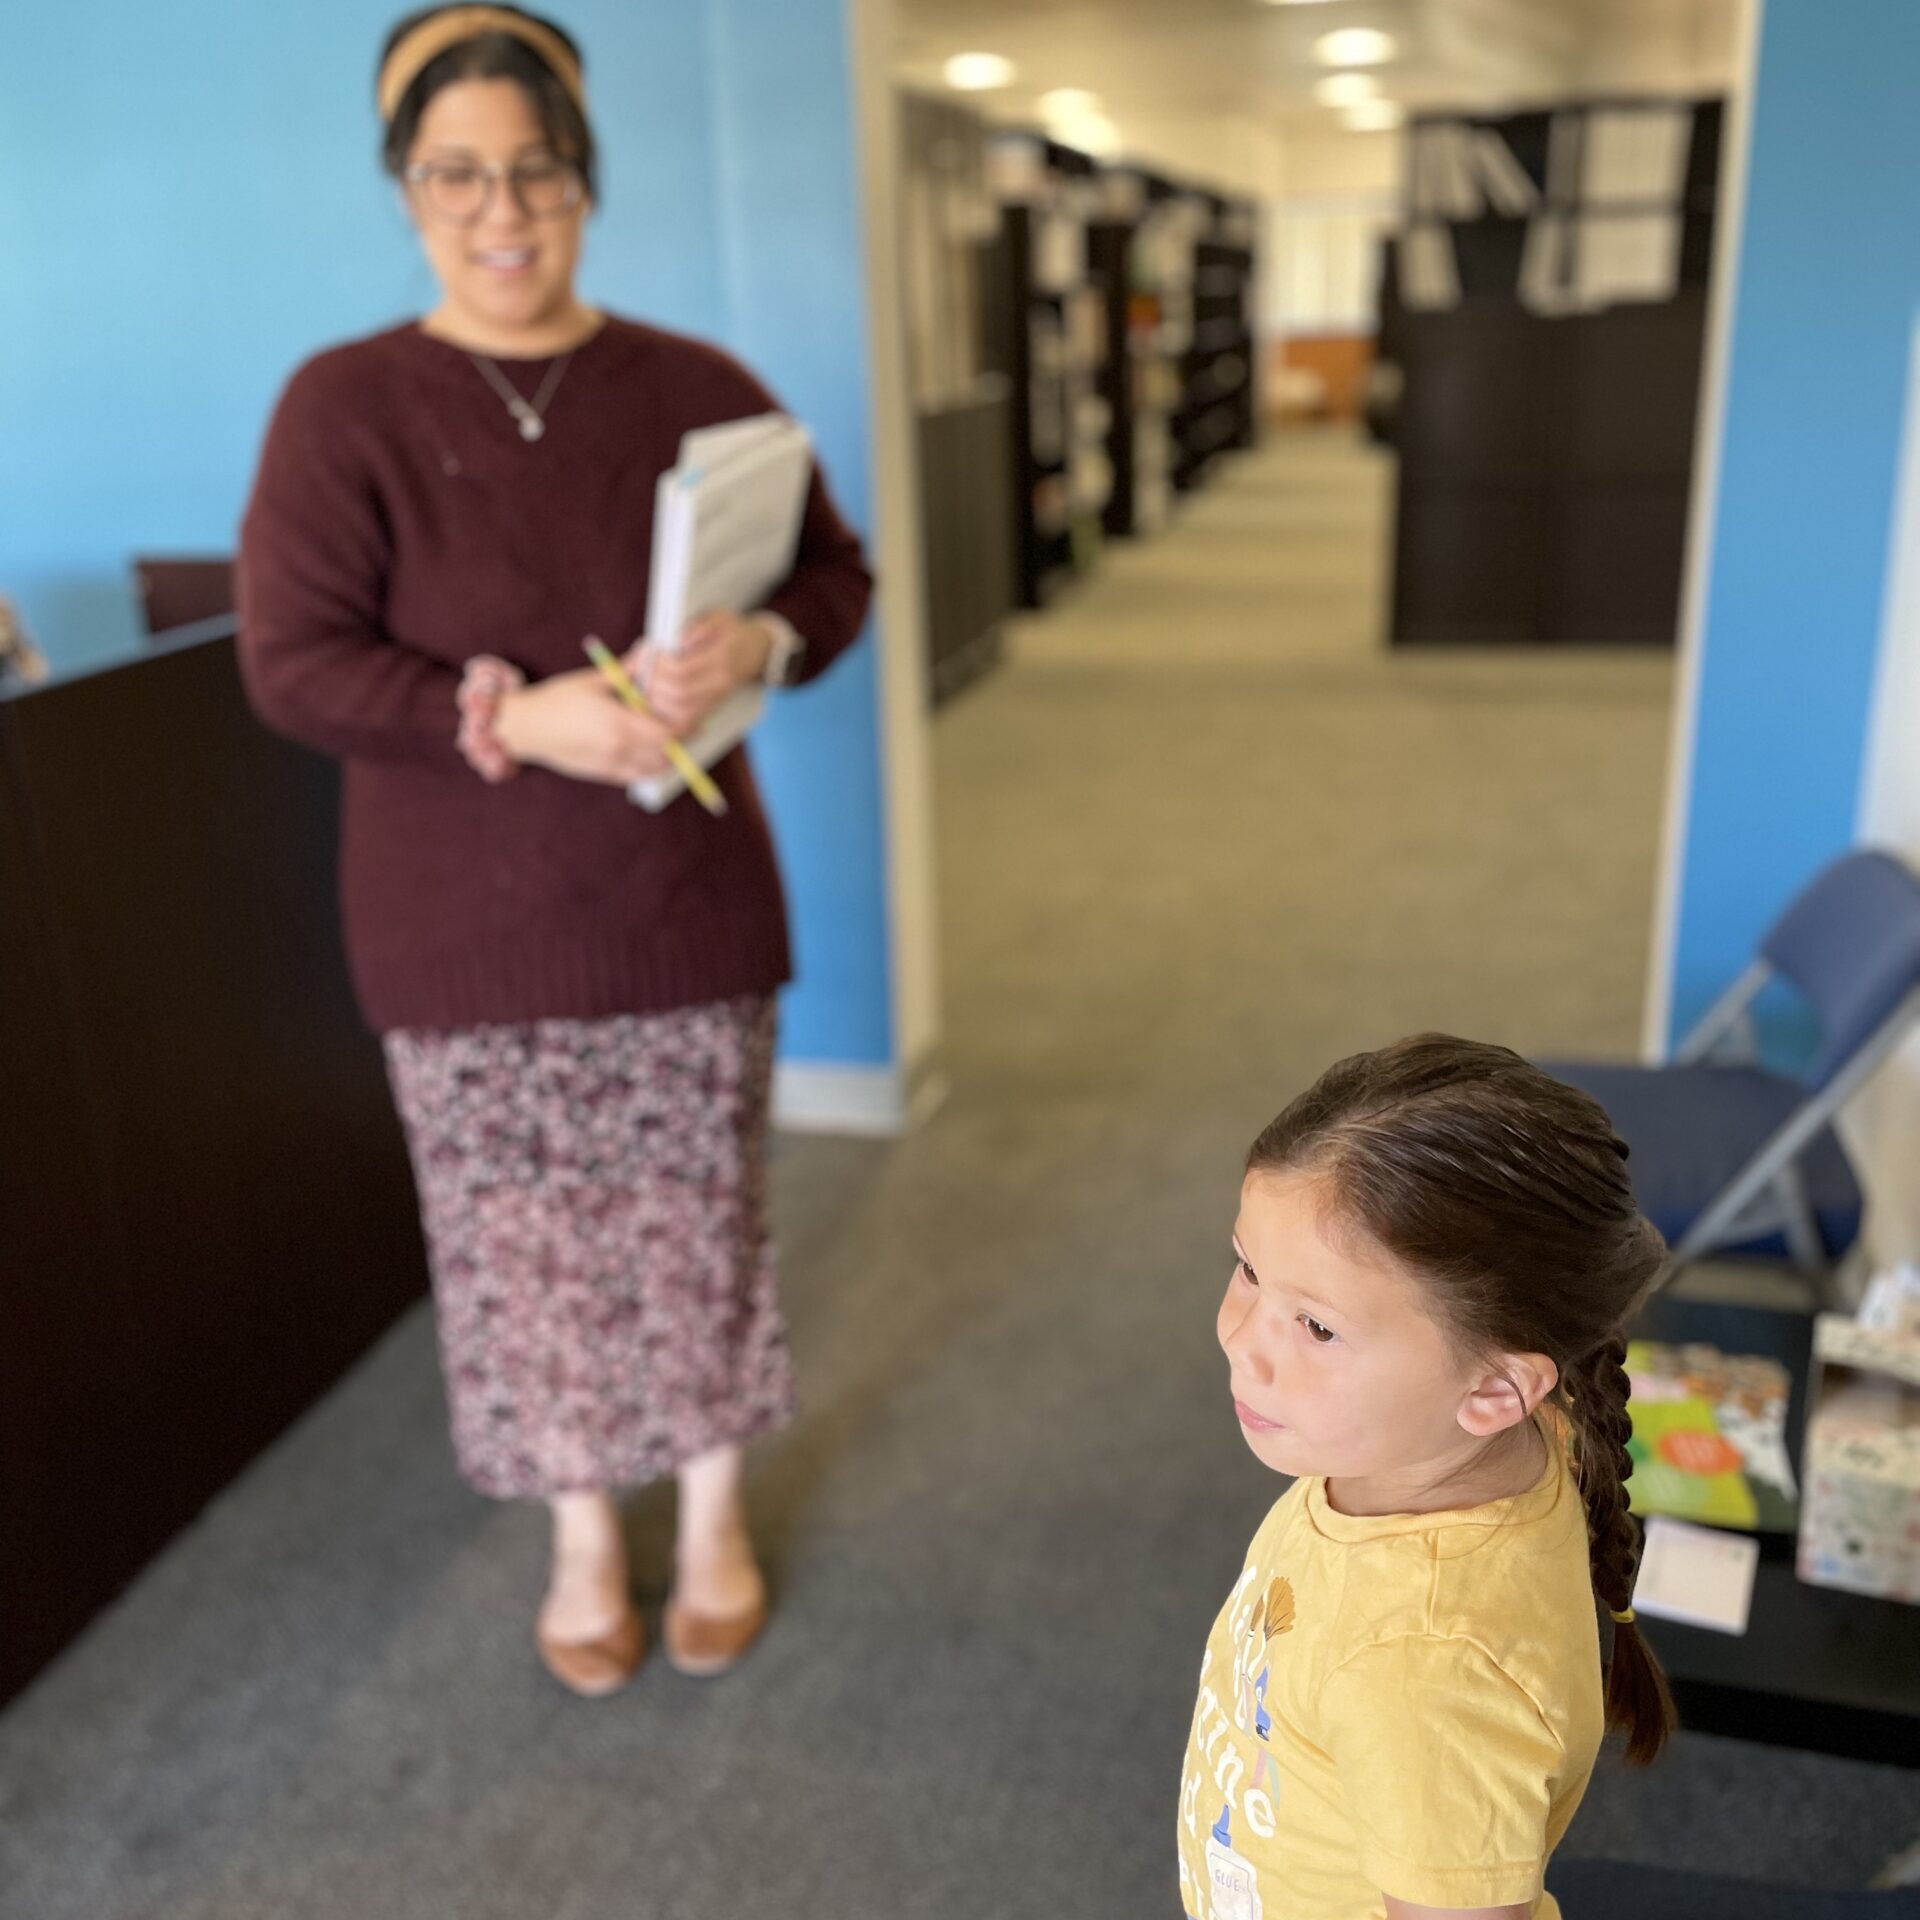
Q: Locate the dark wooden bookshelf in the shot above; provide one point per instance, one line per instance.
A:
(1217, 414)
(1125, 326)
(1545, 422)
(1057, 344)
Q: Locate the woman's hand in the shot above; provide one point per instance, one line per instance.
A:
(575, 724)
(719, 653)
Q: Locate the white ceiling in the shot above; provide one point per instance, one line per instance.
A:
(1255, 62)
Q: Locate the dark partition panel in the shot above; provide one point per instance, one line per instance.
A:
(205, 1208)
(1545, 309)
(967, 531)
(1544, 474)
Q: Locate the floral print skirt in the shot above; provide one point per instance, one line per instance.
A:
(594, 1194)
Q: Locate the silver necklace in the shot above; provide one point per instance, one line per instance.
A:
(531, 414)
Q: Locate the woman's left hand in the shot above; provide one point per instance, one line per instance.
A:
(718, 653)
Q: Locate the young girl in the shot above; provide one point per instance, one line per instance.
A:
(1401, 1702)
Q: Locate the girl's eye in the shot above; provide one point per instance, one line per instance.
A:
(1320, 1334)
(1248, 1275)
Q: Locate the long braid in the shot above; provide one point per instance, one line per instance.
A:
(1595, 1394)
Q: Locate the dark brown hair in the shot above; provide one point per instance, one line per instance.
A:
(494, 56)
(1505, 1192)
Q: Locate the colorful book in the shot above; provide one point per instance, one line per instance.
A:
(1710, 1437)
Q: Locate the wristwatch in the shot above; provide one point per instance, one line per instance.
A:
(785, 651)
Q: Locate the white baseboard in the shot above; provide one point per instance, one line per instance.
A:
(871, 1102)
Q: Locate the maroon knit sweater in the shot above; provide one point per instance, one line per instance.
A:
(398, 526)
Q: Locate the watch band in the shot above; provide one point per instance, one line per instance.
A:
(785, 651)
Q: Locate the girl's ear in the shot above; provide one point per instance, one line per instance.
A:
(1506, 1393)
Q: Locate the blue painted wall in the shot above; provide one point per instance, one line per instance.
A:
(1828, 287)
(194, 206)
(792, 274)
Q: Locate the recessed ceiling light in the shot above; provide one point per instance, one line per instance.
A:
(978, 72)
(1068, 103)
(1374, 116)
(1354, 47)
(1092, 133)
(1346, 89)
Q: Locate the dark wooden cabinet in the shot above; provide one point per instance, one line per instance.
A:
(1545, 472)
(206, 1213)
(1545, 411)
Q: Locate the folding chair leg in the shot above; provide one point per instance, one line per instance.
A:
(1801, 1228)
(1729, 1016)
(1710, 1229)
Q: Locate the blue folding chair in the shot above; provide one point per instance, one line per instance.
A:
(1727, 1156)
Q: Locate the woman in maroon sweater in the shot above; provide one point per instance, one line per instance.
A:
(575, 996)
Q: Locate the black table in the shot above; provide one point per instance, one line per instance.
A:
(1831, 1672)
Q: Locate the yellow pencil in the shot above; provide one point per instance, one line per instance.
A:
(684, 764)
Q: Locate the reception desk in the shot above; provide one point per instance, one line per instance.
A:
(206, 1212)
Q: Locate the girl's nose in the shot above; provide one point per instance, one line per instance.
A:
(1235, 1332)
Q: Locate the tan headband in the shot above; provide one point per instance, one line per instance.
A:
(448, 28)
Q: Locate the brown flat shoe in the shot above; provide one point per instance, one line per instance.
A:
(595, 1668)
(703, 1644)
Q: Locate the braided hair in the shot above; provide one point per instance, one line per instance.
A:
(1505, 1191)
(1594, 1395)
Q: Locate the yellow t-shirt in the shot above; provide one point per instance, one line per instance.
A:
(1408, 1704)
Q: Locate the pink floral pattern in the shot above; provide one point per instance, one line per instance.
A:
(594, 1194)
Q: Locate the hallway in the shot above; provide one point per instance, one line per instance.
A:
(1206, 789)
(1199, 836)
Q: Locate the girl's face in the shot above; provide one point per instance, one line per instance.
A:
(1336, 1366)
(511, 268)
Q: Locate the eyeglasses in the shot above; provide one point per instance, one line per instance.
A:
(458, 192)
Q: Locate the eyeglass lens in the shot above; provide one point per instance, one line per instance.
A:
(460, 194)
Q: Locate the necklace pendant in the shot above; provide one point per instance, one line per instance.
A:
(527, 414)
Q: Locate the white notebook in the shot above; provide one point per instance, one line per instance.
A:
(726, 527)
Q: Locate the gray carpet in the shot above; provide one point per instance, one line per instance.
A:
(1198, 838)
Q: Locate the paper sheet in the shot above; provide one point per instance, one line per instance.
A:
(1636, 155)
(1627, 256)
(1697, 1575)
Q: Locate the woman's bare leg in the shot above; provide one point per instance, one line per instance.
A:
(587, 1592)
(715, 1572)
